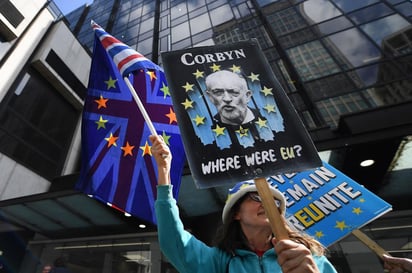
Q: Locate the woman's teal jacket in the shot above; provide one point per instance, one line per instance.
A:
(190, 255)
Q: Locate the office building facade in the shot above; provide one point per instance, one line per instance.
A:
(345, 66)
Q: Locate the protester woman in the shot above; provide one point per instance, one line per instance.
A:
(244, 245)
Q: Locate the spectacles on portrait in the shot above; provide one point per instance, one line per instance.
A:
(221, 92)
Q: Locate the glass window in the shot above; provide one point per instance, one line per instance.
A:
(352, 49)
(334, 25)
(130, 32)
(164, 44)
(205, 35)
(104, 255)
(297, 37)
(312, 60)
(180, 32)
(164, 22)
(200, 23)
(348, 6)
(182, 44)
(193, 5)
(145, 47)
(330, 86)
(136, 13)
(368, 75)
(148, 7)
(31, 130)
(221, 15)
(262, 3)
(198, 12)
(394, 1)
(147, 25)
(178, 10)
(244, 10)
(285, 21)
(405, 8)
(370, 13)
(319, 10)
(382, 29)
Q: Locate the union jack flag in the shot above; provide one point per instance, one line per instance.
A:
(117, 166)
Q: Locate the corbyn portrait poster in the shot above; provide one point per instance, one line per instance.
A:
(235, 119)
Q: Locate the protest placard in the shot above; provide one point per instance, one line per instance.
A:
(327, 204)
(235, 119)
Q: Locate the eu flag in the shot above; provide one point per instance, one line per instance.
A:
(117, 166)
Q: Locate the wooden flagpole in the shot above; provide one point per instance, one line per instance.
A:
(370, 243)
(276, 222)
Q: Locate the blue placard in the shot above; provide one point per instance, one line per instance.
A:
(327, 204)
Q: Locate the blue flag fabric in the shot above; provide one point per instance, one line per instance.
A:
(117, 166)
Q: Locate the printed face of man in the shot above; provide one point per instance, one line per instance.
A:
(229, 93)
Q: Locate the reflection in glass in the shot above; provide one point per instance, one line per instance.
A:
(368, 74)
(399, 43)
(405, 8)
(221, 15)
(286, 21)
(352, 48)
(192, 5)
(347, 6)
(200, 23)
(180, 32)
(147, 25)
(312, 60)
(334, 25)
(262, 3)
(370, 13)
(145, 47)
(319, 10)
(330, 86)
(333, 108)
(178, 10)
(380, 29)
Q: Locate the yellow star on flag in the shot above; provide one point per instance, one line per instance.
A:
(165, 90)
(362, 200)
(242, 131)
(127, 149)
(266, 91)
(235, 69)
(151, 74)
(146, 149)
(187, 104)
(270, 108)
(357, 211)
(111, 83)
(188, 87)
(101, 123)
(199, 120)
(198, 74)
(215, 67)
(253, 77)
(111, 140)
(219, 130)
(341, 225)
